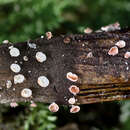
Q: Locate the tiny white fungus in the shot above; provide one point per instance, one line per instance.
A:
(25, 58)
(21, 62)
(41, 57)
(19, 78)
(111, 27)
(8, 84)
(29, 71)
(127, 68)
(127, 55)
(42, 36)
(121, 44)
(15, 61)
(72, 100)
(26, 93)
(90, 55)
(15, 68)
(43, 81)
(10, 47)
(32, 45)
(5, 41)
(14, 52)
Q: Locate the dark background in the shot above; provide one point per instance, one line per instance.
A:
(22, 20)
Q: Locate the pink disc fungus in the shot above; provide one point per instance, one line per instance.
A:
(72, 77)
(33, 104)
(13, 104)
(88, 30)
(127, 55)
(53, 107)
(74, 109)
(74, 89)
(113, 51)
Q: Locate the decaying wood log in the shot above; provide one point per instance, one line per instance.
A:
(101, 76)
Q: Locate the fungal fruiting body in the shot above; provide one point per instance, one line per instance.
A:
(72, 100)
(72, 77)
(25, 58)
(32, 45)
(66, 40)
(43, 81)
(88, 30)
(6, 41)
(113, 51)
(42, 36)
(19, 78)
(48, 35)
(26, 93)
(41, 57)
(10, 47)
(14, 52)
(53, 107)
(15, 68)
(13, 104)
(90, 55)
(121, 44)
(74, 89)
(33, 104)
(111, 27)
(8, 84)
(127, 55)
(74, 109)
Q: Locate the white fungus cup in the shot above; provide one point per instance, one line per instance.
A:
(14, 52)
(26, 93)
(40, 57)
(19, 78)
(15, 68)
(43, 81)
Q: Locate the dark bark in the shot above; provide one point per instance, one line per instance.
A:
(101, 77)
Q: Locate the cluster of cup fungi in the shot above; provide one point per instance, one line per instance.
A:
(43, 81)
